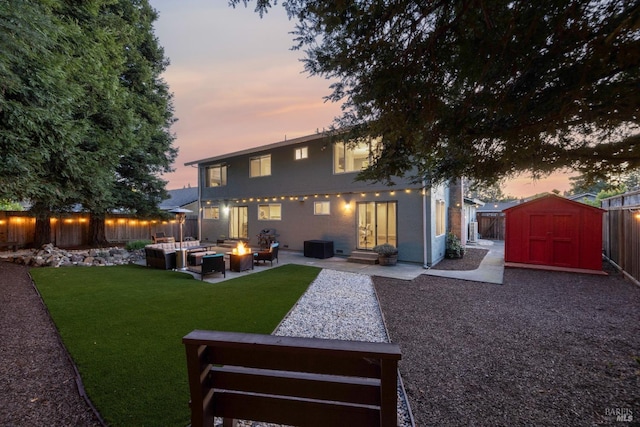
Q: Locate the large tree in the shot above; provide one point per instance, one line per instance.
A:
(148, 153)
(38, 131)
(482, 89)
(81, 104)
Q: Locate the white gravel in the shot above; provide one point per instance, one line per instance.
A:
(340, 305)
(337, 305)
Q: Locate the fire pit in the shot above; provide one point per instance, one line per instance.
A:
(241, 258)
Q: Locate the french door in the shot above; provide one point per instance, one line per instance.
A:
(238, 222)
(377, 224)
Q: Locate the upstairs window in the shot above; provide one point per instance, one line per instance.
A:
(216, 176)
(301, 153)
(260, 166)
(353, 158)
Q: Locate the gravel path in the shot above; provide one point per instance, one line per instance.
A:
(545, 348)
(344, 306)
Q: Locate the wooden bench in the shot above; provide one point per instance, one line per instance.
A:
(291, 380)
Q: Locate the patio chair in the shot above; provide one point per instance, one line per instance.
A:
(212, 264)
(268, 255)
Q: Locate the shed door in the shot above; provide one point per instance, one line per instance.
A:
(553, 239)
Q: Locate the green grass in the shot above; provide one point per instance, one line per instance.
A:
(123, 327)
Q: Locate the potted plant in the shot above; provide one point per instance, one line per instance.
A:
(454, 247)
(387, 254)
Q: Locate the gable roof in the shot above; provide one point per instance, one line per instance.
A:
(286, 142)
(179, 198)
(556, 199)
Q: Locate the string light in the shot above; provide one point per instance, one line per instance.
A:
(326, 196)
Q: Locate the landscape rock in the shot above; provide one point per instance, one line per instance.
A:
(50, 256)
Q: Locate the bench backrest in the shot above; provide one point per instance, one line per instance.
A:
(291, 380)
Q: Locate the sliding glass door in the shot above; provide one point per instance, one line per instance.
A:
(238, 222)
(377, 224)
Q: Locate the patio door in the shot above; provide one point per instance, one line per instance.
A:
(238, 222)
(377, 224)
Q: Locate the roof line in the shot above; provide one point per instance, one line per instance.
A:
(256, 149)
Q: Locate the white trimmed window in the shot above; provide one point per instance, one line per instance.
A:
(301, 153)
(440, 217)
(272, 211)
(321, 208)
(211, 212)
(260, 166)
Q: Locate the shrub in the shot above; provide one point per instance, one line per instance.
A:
(137, 244)
(454, 246)
(385, 249)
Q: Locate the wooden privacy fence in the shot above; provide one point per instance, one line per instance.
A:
(291, 380)
(621, 232)
(491, 225)
(73, 229)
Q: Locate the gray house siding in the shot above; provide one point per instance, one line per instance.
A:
(296, 185)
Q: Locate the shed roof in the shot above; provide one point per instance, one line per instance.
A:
(559, 199)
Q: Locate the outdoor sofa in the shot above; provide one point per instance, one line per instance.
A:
(163, 255)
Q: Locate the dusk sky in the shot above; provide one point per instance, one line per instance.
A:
(237, 85)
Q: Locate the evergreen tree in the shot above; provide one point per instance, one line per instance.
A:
(481, 89)
(84, 114)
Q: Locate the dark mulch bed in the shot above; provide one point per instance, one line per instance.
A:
(37, 380)
(545, 348)
(470, 261)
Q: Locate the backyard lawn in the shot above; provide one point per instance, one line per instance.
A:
(123, 327)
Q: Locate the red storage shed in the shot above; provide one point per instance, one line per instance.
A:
(554, 232)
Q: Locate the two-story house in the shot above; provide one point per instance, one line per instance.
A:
(305, 189)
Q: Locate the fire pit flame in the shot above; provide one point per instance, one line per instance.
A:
(240, 249)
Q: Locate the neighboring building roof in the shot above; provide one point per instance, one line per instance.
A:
(284, 143)
(179, 198)
(496, 207)
(477, 202)
(582, 196)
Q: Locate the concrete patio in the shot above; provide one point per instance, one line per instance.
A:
(490, 270)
